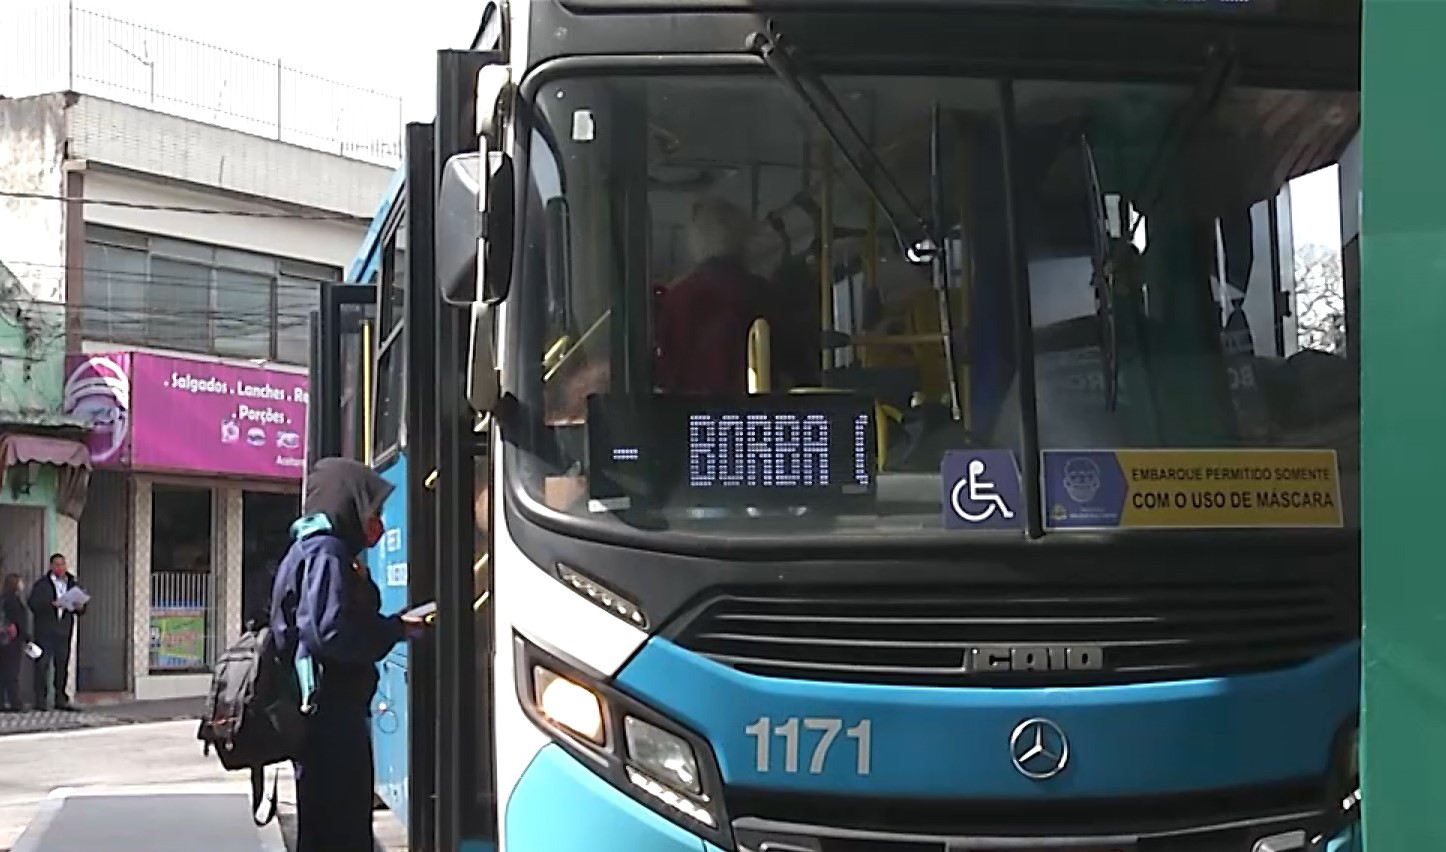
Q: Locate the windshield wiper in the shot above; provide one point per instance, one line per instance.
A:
(1102, 277)
(915, 234)
(1214, 81)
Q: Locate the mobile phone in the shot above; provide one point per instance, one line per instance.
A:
(425, 612)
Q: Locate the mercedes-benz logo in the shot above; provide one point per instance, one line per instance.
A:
(1039, 749)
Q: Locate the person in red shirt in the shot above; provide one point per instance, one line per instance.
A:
(701, 320)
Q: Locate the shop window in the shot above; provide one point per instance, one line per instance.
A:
(265, 534)
(185, 628)
(152, 291)
(115, 279)
(178, 308)
(296, 298)
(243, 314)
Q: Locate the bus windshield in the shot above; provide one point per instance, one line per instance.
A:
(696, 254)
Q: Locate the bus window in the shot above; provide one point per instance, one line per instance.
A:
(390, 378)
(1229, 319)
(682, 228)
(357, 349)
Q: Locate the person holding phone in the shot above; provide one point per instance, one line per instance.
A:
(340, 633)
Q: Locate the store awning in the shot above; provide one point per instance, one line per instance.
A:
(62, 452)
(71, 457)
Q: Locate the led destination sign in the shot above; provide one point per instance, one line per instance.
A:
(776, 449)
(783, 450)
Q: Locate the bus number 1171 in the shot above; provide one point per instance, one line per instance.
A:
(822, 735)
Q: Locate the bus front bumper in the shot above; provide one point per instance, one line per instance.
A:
(559, 804)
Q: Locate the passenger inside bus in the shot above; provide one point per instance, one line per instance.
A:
(701, 320)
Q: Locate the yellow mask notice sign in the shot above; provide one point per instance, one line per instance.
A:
(1191, 489)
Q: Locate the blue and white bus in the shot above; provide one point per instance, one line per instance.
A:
(864, 425)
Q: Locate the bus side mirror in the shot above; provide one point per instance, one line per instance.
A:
(497, 233)
(469, 230)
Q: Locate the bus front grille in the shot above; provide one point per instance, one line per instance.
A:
(1142, 632)
(1162, 821)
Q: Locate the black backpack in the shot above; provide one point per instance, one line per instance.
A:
(254, 716)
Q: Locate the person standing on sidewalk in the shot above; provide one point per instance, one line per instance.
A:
(53, 627)
(12, 644)
(338, 626)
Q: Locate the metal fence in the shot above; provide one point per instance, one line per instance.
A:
(54, 45)
(184, 624)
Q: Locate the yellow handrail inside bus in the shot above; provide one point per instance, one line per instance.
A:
(882, 415)
(555, 351)
(586, 335)
(480, 426)
(477, 567)
(760, 357)
(367, 390)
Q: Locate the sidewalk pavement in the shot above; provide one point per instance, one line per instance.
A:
(100, 715)
(105, 759)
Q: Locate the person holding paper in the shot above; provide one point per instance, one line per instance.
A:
(56, 600)
(338, 626)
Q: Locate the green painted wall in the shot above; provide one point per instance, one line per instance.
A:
(1403, 414)
(42, 493)
(32, 377)
(32, 357)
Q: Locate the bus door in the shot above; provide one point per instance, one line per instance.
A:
(342, 343)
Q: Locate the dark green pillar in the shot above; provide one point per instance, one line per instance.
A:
(1403, 436)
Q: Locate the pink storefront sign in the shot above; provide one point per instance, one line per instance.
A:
(98, 391)
(162, 413)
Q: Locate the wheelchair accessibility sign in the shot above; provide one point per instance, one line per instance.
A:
(981, 490)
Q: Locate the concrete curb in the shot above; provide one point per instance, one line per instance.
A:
(32, 722)
(90, 730)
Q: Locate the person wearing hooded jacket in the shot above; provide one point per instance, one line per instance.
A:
(341, 633)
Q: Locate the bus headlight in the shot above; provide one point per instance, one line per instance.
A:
(637, 749)
(569, 704)
(662, 755)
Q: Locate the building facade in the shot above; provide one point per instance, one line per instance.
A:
(156, 278)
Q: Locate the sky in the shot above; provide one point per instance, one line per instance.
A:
(389, 47)
(1315, 208)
